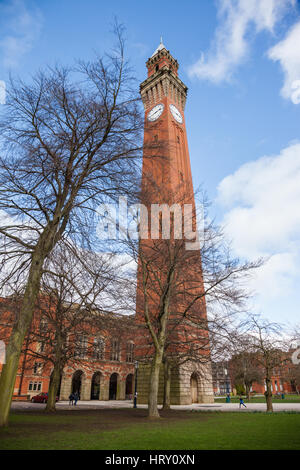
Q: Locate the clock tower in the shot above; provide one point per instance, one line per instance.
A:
(167, 179)
(164, 97)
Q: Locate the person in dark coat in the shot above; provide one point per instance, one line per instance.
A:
(71, 398)
(76, 397)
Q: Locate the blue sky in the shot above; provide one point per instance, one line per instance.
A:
(241, 62)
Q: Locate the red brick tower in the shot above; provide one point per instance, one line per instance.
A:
(167, 179)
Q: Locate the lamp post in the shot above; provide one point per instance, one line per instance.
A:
(136, 365)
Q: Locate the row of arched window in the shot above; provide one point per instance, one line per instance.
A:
(98, 349)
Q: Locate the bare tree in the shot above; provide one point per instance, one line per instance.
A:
(264, 339)
(68, 146)
(245, 370)
(172, 298)
(73, 286)
(73, 313)
(201, 342)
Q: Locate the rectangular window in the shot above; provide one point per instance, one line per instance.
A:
(129, 352)
(35, 386)
(37, 368)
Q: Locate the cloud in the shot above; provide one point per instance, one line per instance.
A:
(21, 28)
(287, 52)
(277, 277)
(263, 198)
(239, 20)
(262, 217)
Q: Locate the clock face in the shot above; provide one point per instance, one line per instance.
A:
(155, 112)
(176, 114)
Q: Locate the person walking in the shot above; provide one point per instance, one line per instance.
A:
(76, 398)
(242, 403)
(71, 398)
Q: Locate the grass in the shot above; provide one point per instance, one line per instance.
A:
(129, 429)
(287, 399)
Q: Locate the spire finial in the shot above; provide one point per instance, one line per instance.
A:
(160, 47)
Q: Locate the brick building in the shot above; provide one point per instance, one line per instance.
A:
(101, 366)
(221, 378)
(282, 381)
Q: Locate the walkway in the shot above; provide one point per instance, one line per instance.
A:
(128, 404)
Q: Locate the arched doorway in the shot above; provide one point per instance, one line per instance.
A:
(194, 388)
(95, 388)
(129, 385)
(76, 381)
(113, 386)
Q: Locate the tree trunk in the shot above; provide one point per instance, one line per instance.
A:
(248, 392)
(14, 348)
(268, 395)
(167, 385)
(53, 389)
(153, 386)
(56, 373)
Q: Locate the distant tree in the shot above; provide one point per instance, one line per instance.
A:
(265, 341)
(246, 371)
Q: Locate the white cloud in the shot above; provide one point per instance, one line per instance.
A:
(287, 52)
(238, 20)
(277, 277)
(263, 198)
(262, 217)
(21, 28)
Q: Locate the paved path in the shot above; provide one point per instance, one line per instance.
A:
(128, 404)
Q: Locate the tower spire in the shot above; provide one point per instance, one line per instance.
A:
(160, 47)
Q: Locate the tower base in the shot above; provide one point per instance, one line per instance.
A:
(190, 383)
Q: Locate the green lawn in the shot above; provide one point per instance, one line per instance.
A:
(287, 399)
(130, 429)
